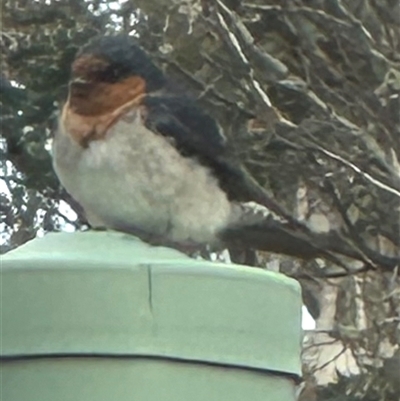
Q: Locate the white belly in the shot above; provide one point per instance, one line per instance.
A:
(134, 179)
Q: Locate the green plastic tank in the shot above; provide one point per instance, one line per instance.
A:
(101, 316)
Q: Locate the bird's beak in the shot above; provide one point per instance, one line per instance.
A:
(79, 81)
(80, 87)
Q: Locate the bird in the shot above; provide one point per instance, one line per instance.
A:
(145, 159)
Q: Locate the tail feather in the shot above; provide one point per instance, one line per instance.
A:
(271, 236)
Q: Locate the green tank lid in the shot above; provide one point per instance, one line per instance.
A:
(109, 295)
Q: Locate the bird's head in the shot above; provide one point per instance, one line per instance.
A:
(109, 72)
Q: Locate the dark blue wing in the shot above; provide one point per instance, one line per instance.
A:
(194, 132)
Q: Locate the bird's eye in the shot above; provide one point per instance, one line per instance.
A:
(112, 73)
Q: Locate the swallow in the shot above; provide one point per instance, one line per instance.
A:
(143, 159)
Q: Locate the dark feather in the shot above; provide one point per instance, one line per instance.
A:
(194, 132)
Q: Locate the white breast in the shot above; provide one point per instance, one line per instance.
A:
(135, 179)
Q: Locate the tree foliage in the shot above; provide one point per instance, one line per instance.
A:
(308, 94)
